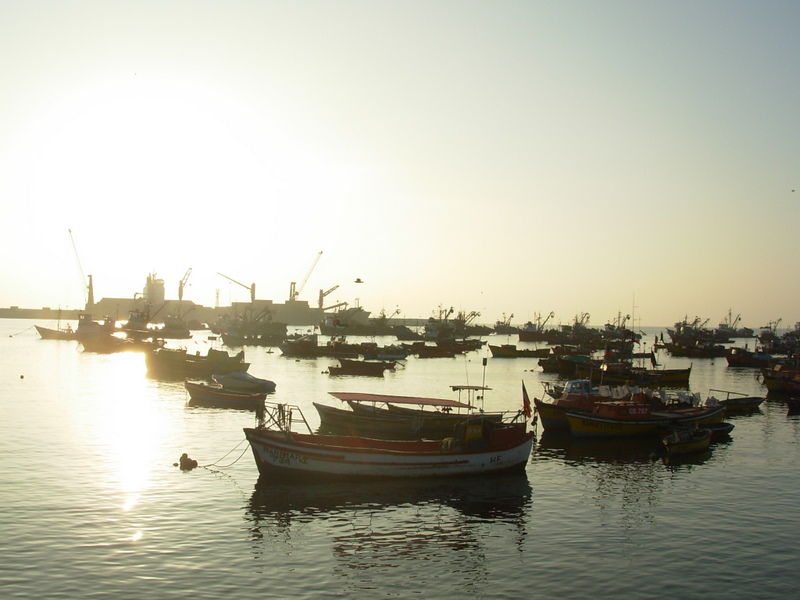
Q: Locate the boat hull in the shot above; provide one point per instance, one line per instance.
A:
(588, 425)
(720, 431)
(511, 351)
(56, 334)
(280, 454)
(203, 394)
(242, 381)
(742, 405)
(677, 444)
(398, 424)
(551, 416)
(170, 363)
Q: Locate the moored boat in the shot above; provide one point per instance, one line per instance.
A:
(735, 402)
(309, 347)
(178, 363)
(686, 440)
(242, 381)
(512, 351)
(206, 394)
(577, 394)
(611, 419)
(581, 395)
(480, 447)
(719, 431)
(59, 333)
(86, 328)
(111, 343)
(618, 373)
(397, 417)
(780, 378)
(370, 368)
(742, 357)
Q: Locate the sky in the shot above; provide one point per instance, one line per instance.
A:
(502, 157)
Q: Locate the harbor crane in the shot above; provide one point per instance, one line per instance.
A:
(251, 287)
(294, 290)
(87, 288)
(182, 284)
(323, 294)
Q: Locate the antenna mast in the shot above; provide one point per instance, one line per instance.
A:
(90, 299)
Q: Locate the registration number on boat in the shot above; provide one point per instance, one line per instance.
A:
(284, 457)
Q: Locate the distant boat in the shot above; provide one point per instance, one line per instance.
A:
(60, 333)
(111, 343)
(742, 357)
(362, 367)
(728, 328)
(86, 328)
(309, 347)
(511, 351)
(504, 326)
(177, 363)
(535, 331)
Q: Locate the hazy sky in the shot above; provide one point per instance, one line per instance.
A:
(500, 156)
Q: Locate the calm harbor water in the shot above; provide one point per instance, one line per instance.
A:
(92, 507)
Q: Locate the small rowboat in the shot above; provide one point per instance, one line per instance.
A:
(206, 394)
(719, 431)
(373, 368)
(242, 381)
(738, 403)
(686, 441)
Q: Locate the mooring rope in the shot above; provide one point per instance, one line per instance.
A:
(216, 463)
(21, 332)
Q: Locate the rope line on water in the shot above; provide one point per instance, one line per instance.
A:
(216, 463)
(21, 332)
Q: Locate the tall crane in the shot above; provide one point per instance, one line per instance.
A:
(86, 288)
(323, 294)
(294, 291)
(251, 287)
(182, 284)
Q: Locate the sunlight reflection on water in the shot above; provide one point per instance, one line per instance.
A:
(92, 504)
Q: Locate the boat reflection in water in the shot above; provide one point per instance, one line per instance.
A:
(394, 527)
(500, 497)
(391, 522)
(621, 451)
(612, 450)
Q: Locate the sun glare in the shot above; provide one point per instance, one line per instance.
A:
(162, 154)
(131, 425)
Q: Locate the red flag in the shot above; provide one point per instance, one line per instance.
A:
(526, 402)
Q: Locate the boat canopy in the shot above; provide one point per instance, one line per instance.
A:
(469, 388)
(362, 397)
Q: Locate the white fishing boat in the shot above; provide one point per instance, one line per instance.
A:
(478, 447)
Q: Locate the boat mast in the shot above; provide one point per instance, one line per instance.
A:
(90, 287)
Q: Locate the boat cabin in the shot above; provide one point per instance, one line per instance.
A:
(578, 386)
